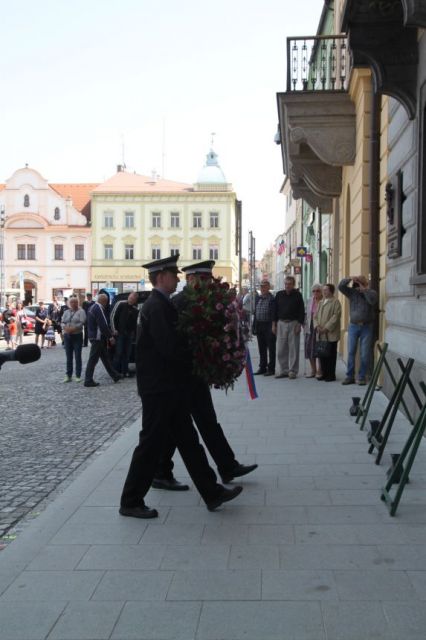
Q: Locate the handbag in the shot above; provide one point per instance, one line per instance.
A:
(322, 349)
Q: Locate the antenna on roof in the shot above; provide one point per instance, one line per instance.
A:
(163, 149)
(212, 135)
(123, 162)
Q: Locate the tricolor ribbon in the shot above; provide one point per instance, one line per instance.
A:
(250, 377)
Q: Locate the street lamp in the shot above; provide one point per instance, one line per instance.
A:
(2, 274)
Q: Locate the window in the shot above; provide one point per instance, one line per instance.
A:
(26, 200)
(213, 252)
(196, 252)
(1, 252)
(129, 220)
(174, 250)
(214, 220)
(156, 220)
(108, 252)
(156, 252)
(79, 252)
(59, 252)
(57, 213)
(31, 254)
(22, 254)
(129, 252)
(108, 220)
(197, 220)
(174, 220)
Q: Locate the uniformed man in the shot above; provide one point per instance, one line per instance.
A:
(202, 409)
(162, 369)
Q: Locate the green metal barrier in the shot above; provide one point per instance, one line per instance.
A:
(400, 473)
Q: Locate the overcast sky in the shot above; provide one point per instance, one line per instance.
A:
(78, 78)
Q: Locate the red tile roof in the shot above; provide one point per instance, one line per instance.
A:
(80, 195)
(124, 182)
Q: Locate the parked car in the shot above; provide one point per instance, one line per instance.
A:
(29, 327)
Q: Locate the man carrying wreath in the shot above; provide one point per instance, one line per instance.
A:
(161, 356)
(201, 403)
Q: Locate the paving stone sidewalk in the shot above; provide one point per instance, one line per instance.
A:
(308, 551)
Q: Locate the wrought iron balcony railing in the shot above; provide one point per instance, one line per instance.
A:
(318, 63)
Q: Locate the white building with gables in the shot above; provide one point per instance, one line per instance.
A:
(46, 237)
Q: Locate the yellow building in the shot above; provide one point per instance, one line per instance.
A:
(136, 219)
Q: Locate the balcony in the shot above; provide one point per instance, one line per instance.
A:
(317, 63)
(317, 117)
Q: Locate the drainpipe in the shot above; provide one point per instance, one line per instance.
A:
(320, 278)
(374, 179)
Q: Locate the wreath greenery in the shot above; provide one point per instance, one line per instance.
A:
(212, 323)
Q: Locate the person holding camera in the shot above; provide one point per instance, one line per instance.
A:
(362, 310)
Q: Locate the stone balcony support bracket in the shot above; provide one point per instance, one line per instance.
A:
(318, 138)
(325, 122)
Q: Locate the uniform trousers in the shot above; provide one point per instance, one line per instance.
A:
(288, 346)
(204, 415)
(163, 413)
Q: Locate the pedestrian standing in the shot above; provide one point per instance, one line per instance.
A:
(163, 364)
(12, 331)
(40, 323)
(362, 311)
(262, 327)
(86, 306)
(311, 334)
(289, 316)
(50, 334)
(327, 326)
(126, 327)
(72, 323)
(21, 322)
(99, 335)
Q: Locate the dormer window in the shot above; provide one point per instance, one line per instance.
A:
(57, 213)
(26, 200)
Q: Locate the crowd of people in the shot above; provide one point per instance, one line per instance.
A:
(279, 320)
(74, 325)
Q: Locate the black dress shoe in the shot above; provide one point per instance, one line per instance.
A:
(269, 373)
(237, 471)
(91, 383)
(259, 372)
(118, 378)
(225, 496)
(170, 484)
(139, 512)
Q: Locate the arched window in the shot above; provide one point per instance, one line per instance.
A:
(26, 200)
(57, 213)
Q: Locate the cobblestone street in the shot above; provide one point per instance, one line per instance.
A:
(48, 428)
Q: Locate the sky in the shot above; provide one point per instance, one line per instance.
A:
(86, 83)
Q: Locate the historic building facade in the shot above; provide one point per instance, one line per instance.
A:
(352, 135)
(46, 248)
(136, 219)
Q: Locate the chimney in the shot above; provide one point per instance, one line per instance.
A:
(120, 168)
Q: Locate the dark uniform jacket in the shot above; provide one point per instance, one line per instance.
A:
(163, 361)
